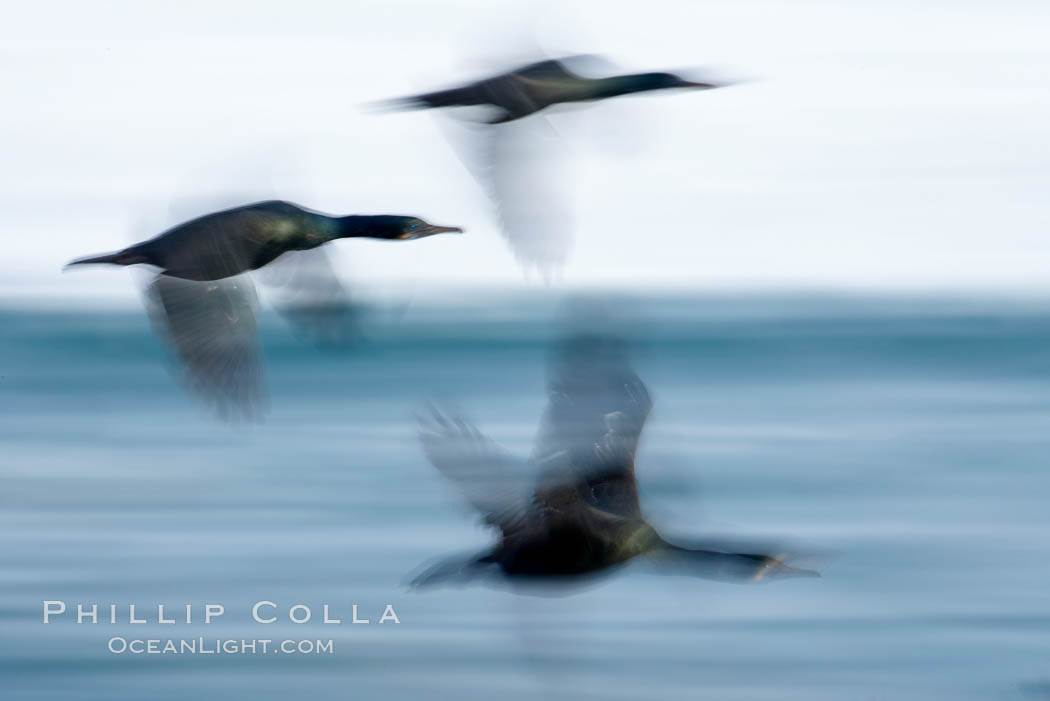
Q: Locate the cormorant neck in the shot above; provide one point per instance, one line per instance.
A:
(365, 226)
(625, 84)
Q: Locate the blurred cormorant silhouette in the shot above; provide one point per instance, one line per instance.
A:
(573, 508)
(529, 89)
(517, 162)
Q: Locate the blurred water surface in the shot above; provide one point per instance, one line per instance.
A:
(909, 436)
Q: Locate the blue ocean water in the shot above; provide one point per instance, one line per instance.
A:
(905, 439)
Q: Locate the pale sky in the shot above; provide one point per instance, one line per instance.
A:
(887, 145)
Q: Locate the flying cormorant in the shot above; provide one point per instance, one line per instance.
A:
(204, 308)
(519, 162)
(581, 515)
(529, 89)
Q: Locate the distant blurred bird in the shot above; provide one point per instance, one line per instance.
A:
(205, 309)
(529, 89)
(582, 514)
(517, 164)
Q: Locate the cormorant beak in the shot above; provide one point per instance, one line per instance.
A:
(431, 229)
(775, 568)
(698, 86)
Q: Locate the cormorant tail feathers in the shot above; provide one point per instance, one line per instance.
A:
(453, 571)
(118, 258)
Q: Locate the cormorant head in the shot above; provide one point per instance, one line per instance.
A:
(401, 228)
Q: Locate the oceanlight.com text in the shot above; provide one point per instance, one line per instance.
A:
(217, 646)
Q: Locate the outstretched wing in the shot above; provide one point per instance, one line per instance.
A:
(522, 169)
(527, 183)
(211, 331)
(595, 413)
(309, 294)
(494, 482)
